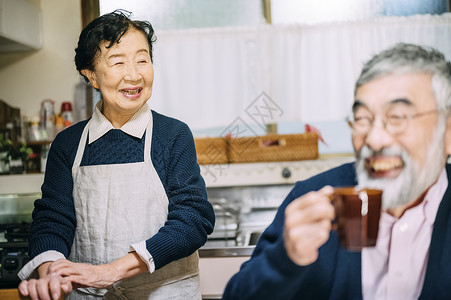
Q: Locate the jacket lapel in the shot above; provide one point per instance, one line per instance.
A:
(438, 274)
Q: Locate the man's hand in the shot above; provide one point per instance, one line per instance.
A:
(308, 221)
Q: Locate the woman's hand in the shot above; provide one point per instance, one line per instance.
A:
(84, 275)
(63, 275)
(47, 287)
(308, 222)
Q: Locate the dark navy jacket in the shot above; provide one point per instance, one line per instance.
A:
(336, 274)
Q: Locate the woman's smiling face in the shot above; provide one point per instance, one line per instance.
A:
(124, 75)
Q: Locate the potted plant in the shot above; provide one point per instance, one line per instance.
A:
(19, 154)
(5, 146)
(13, 158)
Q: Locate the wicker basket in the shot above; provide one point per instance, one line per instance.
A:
(290, 147)
(211, 151)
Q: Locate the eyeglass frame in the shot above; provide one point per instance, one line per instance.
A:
(405, 118)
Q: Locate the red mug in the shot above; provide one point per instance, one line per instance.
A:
(357, 215)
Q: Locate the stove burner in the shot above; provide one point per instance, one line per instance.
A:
(17, 232)
(13, 252)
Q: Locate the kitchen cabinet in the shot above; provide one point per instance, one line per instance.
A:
(20, 26)
(215, 272)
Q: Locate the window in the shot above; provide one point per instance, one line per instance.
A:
(317, 11)
(182, 14)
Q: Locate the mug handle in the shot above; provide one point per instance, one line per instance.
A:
(363, 196)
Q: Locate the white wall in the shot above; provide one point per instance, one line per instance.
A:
(49, 73)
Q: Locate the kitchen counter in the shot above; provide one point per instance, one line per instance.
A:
(21, 183)
(13, 294)
(226, 251)
(215, 175)
(217, 266)
(10, 294)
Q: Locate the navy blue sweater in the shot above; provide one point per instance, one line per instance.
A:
(190, 217)
(336, 274)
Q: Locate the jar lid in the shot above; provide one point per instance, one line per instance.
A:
(66, 106)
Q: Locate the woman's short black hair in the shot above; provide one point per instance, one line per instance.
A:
(107, 28)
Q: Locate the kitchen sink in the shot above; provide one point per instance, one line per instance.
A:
(17, 207)
(253, 238)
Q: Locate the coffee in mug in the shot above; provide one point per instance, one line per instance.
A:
(357, 214)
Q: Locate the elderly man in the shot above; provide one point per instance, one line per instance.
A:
(401, 132)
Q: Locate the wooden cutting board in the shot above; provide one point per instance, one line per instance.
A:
(13, 294)
(9, 294)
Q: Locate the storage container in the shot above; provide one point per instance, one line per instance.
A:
(273, 147)
(211, 150)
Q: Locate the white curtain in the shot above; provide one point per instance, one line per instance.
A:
(210, 77)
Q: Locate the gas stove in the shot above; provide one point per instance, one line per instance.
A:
(13, 252)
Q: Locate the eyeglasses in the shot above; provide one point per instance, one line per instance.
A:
(393, 123)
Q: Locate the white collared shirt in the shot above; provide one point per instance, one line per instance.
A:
(136, 126)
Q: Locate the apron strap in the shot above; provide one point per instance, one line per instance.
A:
(81, 147)
(148, 140)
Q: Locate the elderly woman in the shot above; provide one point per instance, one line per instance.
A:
(124, 207)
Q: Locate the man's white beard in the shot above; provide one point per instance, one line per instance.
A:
(413, 179)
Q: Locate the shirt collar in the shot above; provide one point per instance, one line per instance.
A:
(136, 126)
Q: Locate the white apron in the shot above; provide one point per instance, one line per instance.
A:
(118, 205)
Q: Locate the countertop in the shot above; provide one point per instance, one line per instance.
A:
(21, 183)
(10, 294)
(226, 251)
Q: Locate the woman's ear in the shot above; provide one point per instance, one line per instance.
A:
(91, 77)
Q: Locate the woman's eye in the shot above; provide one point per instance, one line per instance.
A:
(117, 63)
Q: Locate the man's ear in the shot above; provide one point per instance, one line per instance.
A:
(448, 136)
(91, 77)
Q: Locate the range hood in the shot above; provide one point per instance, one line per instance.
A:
(20, 26)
